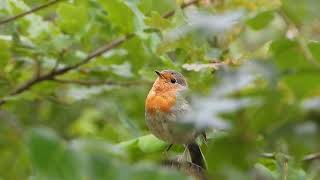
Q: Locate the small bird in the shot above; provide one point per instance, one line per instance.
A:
(165, 108)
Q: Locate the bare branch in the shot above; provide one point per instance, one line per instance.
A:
(9, 19)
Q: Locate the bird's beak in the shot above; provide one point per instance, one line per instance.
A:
(159, 74)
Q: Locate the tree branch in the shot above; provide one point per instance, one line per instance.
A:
(188, 168)
(306, 158)
(184, 5)
(9, 19)
(113, 44)
(312, 157)
(99, 82)
(52, 74)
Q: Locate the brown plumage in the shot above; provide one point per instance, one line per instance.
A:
(165, 107)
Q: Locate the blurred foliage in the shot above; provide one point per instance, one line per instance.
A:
(253, 67)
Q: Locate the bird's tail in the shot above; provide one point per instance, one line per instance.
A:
(196, 155)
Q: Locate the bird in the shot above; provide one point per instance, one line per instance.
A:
(165, 108)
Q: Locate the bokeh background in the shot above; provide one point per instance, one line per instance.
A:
(74, 75)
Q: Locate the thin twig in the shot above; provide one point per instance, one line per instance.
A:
(306, 158)
(52, 74)
(184, 5)
(312, 157)
(99, 82)
(9, 19)
(294, 71)
(113, 44)
(267, 155)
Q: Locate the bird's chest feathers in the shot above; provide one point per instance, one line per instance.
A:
(160, 102)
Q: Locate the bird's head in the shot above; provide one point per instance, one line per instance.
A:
(169, 81)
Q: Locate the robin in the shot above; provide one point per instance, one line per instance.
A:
(165, 108)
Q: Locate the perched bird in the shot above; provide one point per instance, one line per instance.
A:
(165, 108)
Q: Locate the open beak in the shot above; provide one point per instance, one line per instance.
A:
(159, 74)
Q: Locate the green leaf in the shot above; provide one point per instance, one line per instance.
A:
(129, 145)
(261, 20)
(147, 6)
(119, 14)
(86, 124)
(303, 83)
(302, 11)
(50, 157)
(147, 144)
(150, 143)
(72, 18)
(4, 53)
(224, 152)
(139, 25)
(264, 172)
(315, 49)
(62, 42)
(302, 78)
(156, 21)
(288, 54)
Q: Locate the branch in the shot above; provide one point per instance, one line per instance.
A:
(311, 157)
(188, 168)
(99, 82)
(294, 71)
(51, 75)
(113, 44)
(9, 19)
(184, 5)
(306, 158)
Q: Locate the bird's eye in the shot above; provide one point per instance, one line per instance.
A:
(173, 81)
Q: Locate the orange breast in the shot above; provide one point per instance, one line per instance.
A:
(160, 102)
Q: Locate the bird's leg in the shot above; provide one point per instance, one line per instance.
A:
(169, 147)
(184, 156)
(204, 138)
(167, 150)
